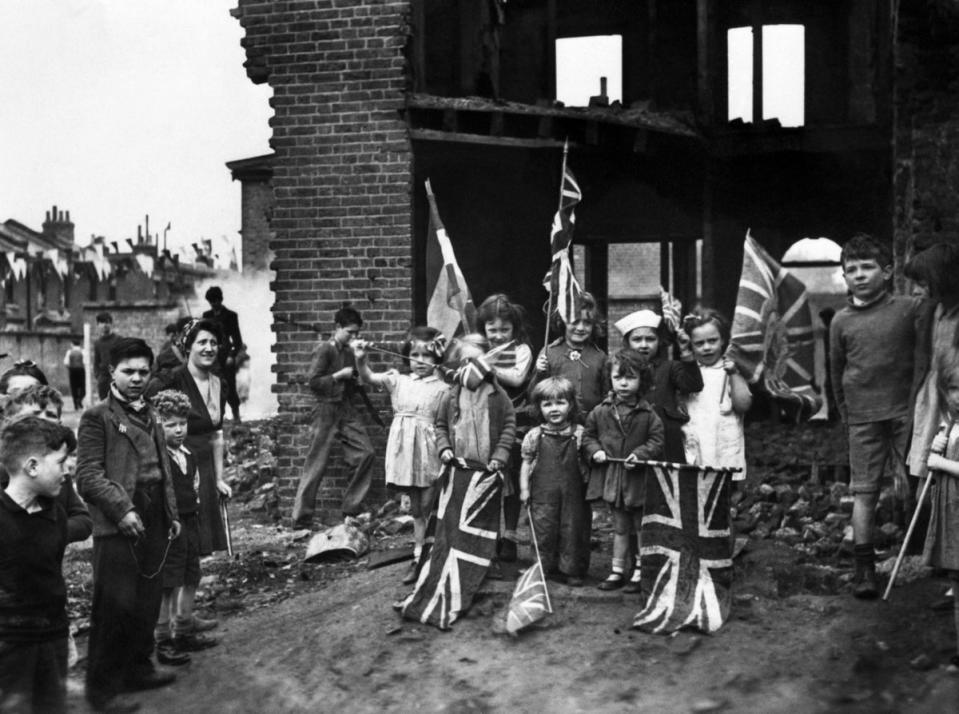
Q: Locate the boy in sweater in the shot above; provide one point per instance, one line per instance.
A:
(871, 361)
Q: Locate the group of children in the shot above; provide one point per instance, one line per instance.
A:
(566, 430)
(41, 512)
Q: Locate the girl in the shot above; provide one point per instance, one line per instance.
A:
(576, 357)
(714, 432)
(551, 480)
(412, 464)
(620, 432)
(503, 324)
(942, 536)
(672, 380)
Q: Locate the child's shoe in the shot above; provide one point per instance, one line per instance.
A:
(634, 586)
(410, 576)
(614, 581)
(194, 642)
(167, 653)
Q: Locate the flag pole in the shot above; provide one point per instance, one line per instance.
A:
(549, 303)
(539, 561)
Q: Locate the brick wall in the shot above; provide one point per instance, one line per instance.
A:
(257, 205)
(342, 218)
(927, 126)
(145, 320)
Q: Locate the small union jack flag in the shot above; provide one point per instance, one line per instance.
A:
(530, 602)
(772, 332)
(672, 310)
(562, 285)
(686, 551)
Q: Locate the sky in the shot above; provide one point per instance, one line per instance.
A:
(114, 109)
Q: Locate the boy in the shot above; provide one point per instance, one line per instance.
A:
(77, 373)
(333, 382)
(232, 344)
(45, 402)
(871, 363)
(123, 472)
(33, 537)
(175, 633)
(101, 353)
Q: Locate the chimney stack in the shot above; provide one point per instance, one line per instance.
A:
(58, 227)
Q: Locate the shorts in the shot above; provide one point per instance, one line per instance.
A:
(33, 676)
(877, 449)
(182, 566)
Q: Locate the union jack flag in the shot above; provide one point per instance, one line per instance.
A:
(672, 310)
(563, 288)
(464, 544)
(686, 550)
(772, 333)
(451, 308)
(530, 602)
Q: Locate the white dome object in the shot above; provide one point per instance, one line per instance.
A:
(813, 250)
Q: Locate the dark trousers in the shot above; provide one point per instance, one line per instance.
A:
(33, 676)
(332, 422)
(126, 602)
(228, 372)
(78, 386)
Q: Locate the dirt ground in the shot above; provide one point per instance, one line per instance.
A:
(301, 637)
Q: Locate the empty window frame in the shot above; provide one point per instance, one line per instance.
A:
(581, 62)
(782, 69)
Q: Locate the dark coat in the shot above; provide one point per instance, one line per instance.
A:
(672, 378)
(502, 422)
(639, 433)
(230, 327)
(200, 429)
(108, 461)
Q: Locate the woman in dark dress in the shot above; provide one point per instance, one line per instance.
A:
(199, 341)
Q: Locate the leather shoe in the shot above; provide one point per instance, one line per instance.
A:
(194, 642)
(202, 625)
(167, 653)
(150, 680)
(410, 576)
(868, 587)
(613, 582)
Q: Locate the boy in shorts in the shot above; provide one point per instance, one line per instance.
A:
(174, 632)
(871, 361)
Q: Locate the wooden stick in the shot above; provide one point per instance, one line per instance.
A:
(915, 517)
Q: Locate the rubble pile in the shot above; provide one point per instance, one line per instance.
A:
(250, 467)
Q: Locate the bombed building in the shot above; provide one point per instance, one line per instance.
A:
(791, 118)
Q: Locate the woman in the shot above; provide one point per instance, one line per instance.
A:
(199, 341)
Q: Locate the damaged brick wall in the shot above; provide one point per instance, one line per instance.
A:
(342, 218)
(927, 126)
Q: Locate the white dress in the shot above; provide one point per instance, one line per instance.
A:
(411, 458)
(714, 434)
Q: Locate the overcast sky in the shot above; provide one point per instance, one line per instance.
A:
(113, 109)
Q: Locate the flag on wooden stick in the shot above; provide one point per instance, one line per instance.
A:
(530, 602)
(451, 308)
(772, 333)
(672, 310)
(564, 291)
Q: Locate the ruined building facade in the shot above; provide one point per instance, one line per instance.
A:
(372, 97)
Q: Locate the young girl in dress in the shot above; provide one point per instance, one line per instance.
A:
(620, 432)
(673, 380)
(412, 462)
(714, 432)
(942, 536)
(551, 480)
(503, 324)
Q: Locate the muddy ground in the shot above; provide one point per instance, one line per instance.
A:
(323, 637)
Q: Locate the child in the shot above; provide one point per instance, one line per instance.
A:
(503, 324)
(551, 480)
(332, 380)
(714, 432)
(476, 421)
(33, 537)
(871, 343)
(672, 380)
(626, 429)
(412, 464)
(942, 537)
(576, 357)
(174, 631)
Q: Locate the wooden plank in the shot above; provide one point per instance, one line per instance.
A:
(463, 138)
(381, 558)
(704, 64)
